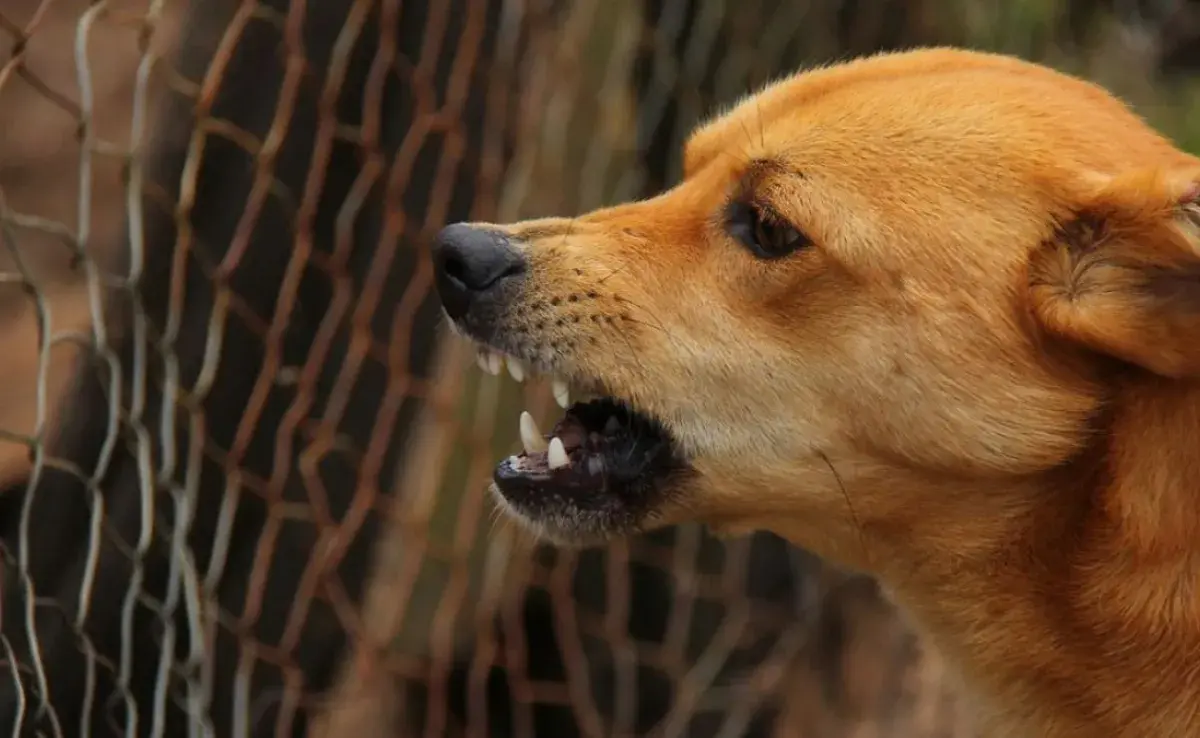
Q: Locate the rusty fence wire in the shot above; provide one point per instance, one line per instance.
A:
(244, 468)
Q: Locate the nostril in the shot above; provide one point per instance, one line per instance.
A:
(454, 268)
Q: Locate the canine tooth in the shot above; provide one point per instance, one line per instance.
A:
(613, 425)
(562, 394)
(481, 359)
(516, 369)
(556, 455)
(531, 437)
(595, 464)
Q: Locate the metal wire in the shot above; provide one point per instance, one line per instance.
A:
(247, 490)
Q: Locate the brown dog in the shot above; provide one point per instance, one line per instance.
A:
(932, 315)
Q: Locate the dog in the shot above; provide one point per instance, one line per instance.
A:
(932, 315)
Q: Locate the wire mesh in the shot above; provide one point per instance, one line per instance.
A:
(244, 470)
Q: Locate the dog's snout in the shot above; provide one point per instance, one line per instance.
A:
(469, 261)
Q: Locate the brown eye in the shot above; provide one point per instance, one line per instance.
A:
(764, 234)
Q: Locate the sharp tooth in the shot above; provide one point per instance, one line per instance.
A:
(531, 437)
(516, 370)
(556, 455)
(595, 464)
(613, 425)
(481, 359)
(495, 364)
(562, 394)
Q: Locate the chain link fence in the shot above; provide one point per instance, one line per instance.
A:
(243, 468)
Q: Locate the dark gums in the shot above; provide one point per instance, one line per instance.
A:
(634, 457)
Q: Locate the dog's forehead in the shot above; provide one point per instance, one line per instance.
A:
(937, 107)
(792, 99)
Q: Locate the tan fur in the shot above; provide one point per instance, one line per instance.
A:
(979, 384)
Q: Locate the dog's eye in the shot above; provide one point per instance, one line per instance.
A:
(766, 235)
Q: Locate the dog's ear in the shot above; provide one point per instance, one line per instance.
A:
(1121, 275)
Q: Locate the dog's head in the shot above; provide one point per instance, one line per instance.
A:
(875, 281)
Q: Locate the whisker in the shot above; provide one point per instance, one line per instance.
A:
(570, 231)
(862, 538)
(612, 273)
(749, 137)
(762, 132)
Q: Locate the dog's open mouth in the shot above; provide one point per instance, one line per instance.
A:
(602, 456)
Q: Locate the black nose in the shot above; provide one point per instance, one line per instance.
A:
(468, 262)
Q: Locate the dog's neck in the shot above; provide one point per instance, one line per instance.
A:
(1092, 569)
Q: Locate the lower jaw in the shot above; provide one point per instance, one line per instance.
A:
(598, 474)
(567, 528)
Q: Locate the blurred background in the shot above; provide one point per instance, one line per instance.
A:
(244, 470)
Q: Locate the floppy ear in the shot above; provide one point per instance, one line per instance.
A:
(1122, 275)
